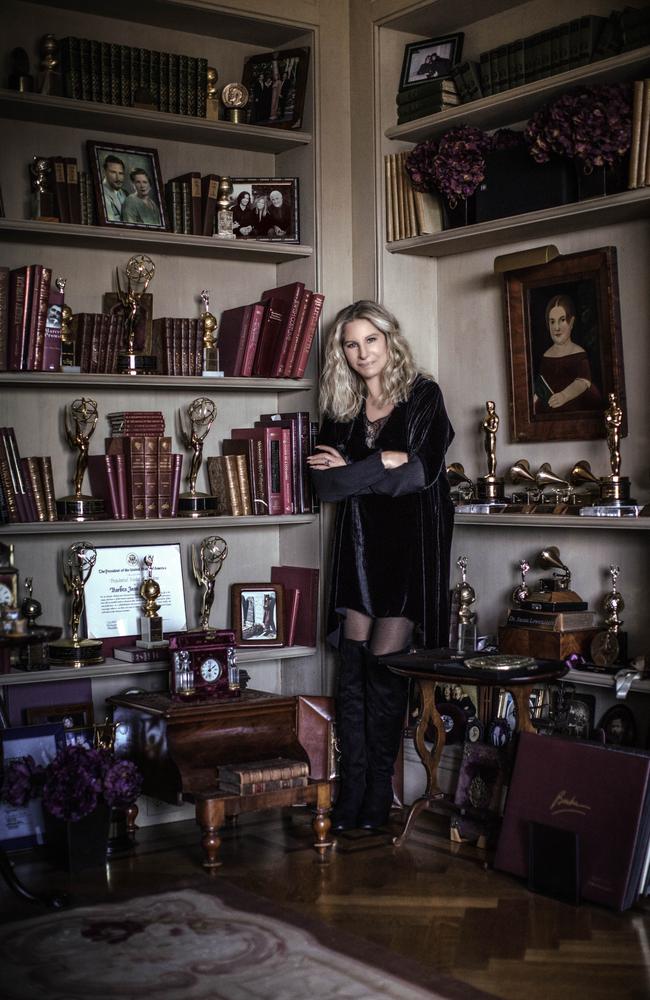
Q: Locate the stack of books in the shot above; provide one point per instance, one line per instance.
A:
(408, 212)
(74, 194)
(639, 171)
(178, 345)
(192, 202)
(426, 99)
(26, 484)
(122, 75)
(253, 777)
(98, 339)
(30, 320)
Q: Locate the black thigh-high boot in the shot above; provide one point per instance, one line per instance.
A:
(386, 700)
(350, 733)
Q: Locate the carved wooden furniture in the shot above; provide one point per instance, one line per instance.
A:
(179, 747)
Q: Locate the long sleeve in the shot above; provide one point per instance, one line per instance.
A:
(353, 479)
(429, 431)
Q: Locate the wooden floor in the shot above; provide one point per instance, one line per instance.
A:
(430, 900)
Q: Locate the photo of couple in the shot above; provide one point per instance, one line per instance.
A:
(128, 186)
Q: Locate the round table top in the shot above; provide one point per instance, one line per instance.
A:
(33, 635)
(441, 664)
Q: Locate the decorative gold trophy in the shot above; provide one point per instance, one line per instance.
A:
(521, 592)
(212, 97)
(224, 229)
(42, 201)
(234, 98)
(610, 645)
(490, 488)
(139, 273)
(151, 624)
(76, 566)
(615, 488)
(49, 78)
(211, 367)
(462, 485)
(207, 562)
(557, 501)
(201, 413)
(467, 628)
(80, 420)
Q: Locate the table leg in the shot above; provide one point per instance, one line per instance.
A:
(210, 816)
(321, 823)
(430, 758)
(521, 696)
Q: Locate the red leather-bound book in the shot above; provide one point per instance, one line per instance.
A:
(164, 471)
(60, 188)
(294, 342)
(209, 189)
(72, 187)
(33, 352)
(233, 328)
(4, 317)
(304, 579)
(21, 281)
(599, 792)
(298, 421)
(101, 476)
(308, 334)
(269, 346)
(291, 294)
(252, 338)
(51, 359)
(271, 438)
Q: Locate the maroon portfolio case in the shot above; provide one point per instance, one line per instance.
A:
(599, 792)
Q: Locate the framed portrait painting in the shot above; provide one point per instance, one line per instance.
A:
(276, 83)
(258, 614)
(564, 351)
(265, 208)
(430, 60)
(128, 186)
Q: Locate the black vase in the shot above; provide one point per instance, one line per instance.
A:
(463, 213)
(79, 845)
(601, 181)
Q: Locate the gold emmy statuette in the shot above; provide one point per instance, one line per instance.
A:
(212, 97)
(467, 628)
(139, 273)
(211, 368)
(462, 486)
(610, 645)
(200, 414)
(490, 488)
(521, 592)
(151, 624)
(49, 78)
(42, 200)
(77, 564)
(224, 210)
(80, 420)
(615, 488)
(207, 561)
(234, 98)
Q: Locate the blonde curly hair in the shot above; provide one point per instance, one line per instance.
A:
(342, 390)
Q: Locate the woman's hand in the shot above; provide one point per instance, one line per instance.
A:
(393, 459)
(325, 457)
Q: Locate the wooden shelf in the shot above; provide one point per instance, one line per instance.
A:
(119, 668)
(520, 103)
(153, 524)
(153, 124)
(590, 679)
(555, 521)
(30, 380)
(628, 206)
(97, 237)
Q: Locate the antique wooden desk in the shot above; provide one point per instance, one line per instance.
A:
(179, 746)
(427, 670)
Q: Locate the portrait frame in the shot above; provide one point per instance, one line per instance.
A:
(262, 187)
(74, 716)
(447, 48)
(248, 603)
(132, 158)
(619, 726)
(284, 106)
(589, 281)
(24, 826)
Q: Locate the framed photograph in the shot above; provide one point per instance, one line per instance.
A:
(265, 208)
(276, 83)
(257, 611)
(619, 725)
(128, 185)
(563, 346)
(70, 716)
(144, 321)
(84, 737)
(23, 826)
(430, 60)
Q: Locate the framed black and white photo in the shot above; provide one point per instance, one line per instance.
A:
(128, 185)
(265, 208)
(258, 614)
(430, 60)
(276, 83)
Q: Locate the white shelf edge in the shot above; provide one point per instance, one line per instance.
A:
(153, 524)
(120, 668)
(589, 679)
(554, 521)
(62, 379)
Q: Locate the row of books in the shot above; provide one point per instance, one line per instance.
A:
(30, 319)
(178, 346)
(426, 99)
(26, 484)
(639, 175)
(271, 338)
(124, 75)
(73, 190)
(98, 339)
(192, 203)
(408, 212)
(253, 777)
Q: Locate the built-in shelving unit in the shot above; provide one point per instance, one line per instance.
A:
(557, 522)
(182, 524)
(140, 383)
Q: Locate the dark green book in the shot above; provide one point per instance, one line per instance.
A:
(201, 87)
(71, 67)
(154, 78)
(590, 27)
(544, 64)
(486, 79)
(516, 62)
(105, 72)
(173, 84)
(95, 71)
(555, 50)
(495, 73)
(502, 60)
(125, 76)
(116, 73)
(574, 43)
(163, 81)
(183, 84)
(174, 209)
(432, 87)
(84, 65)
(192, 84)
(563, 44)
(144, 69)
(134, 69)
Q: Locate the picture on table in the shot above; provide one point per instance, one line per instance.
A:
(258, 613)
(265, 208)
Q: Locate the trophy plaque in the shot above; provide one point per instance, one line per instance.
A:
(139, 273)
(80, 420)
(224, 228)
(234, 98)
(201, 413)
(42, 200)
(490, 488)
(211, 367)
(207, 561)
(76, 567)
(151, 624)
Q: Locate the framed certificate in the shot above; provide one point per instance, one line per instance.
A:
(112, 594)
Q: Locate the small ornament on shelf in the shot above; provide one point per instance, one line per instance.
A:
(467, 626)
(462, 486)
(200, 415)
(49, 79)
(521, 591)
(42, 200)
(234, 98)
(212, 97)
(139, 271)
(211, 364)
(610, 645)
(224, 228)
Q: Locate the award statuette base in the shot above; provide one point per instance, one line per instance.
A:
(137, 364)
(151, 634)
(197, 505)
(82, 653)
(80, 509)
(615, 490)
(490, 490)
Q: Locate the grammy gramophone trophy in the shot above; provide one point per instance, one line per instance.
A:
(207, 561)
(77, 564)
(151, 623)
(80, 420)
(139, 273)
(490, 488)
(200, 415)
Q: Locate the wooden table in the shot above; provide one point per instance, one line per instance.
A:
(427, 670)
(179, 747)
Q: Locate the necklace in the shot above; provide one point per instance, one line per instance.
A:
(373, 428)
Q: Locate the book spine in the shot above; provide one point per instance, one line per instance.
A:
(47, 479)
(138, 655)
(209, 191)
(119, 474)
(291, 605)
(72, 190)
(196, 327)
(20, 292)
(69, 52)
(105, 72)
(84, 67)
(164, 470)
(51, 360)
(216, 466)
(232, 483)
(173, 84)
(22, 499)
(177, 466)
(201, 87)
(154, 78)
(31, 500)
(31, 468)
(311, 325)
(258, 787)
(95, 71)
(183, 85)
(244, 486)
(252, 339)
(8, 483)
(38, 319)
(4, 317)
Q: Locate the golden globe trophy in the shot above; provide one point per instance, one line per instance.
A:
(77, 564)
(200, 413)
(211, 367)
(139, 273)
(207, 561)
(80, 420)
(151, 623)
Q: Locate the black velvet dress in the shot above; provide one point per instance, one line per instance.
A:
(392, 535)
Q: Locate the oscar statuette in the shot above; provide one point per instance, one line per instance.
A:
(80, 420)
(200, 414)
(615, 488)
(151, 624)
(207, 562)
(77, 564)
(139, 273)
(490, 488)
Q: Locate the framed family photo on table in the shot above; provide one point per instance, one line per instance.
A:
(128, 185)
(257, 611)
(563, 347)
(265, 208)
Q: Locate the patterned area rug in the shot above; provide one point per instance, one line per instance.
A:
(191, 945)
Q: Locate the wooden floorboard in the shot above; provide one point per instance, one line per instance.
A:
(431, 901)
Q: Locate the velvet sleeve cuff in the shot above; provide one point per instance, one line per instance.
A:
(349, 480)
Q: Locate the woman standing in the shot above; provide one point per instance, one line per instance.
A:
(381, 454)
